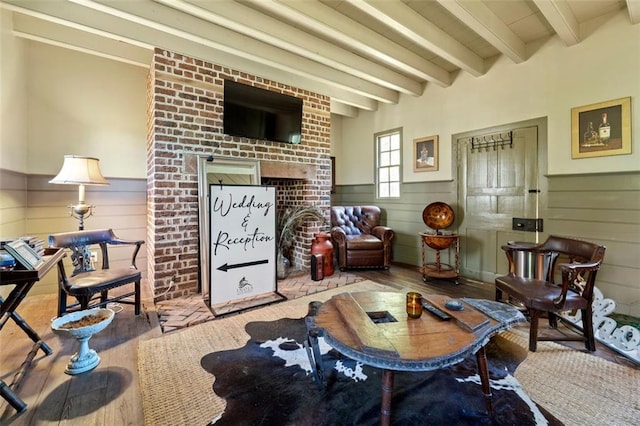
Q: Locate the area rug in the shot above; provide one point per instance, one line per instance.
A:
(268, 382)
(577, 387)
(177, 390)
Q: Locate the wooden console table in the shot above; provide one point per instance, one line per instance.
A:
(23, 280)
(346, 322)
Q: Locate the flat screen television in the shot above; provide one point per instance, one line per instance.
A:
(256, 113)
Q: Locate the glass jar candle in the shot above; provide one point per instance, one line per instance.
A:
(414, 304)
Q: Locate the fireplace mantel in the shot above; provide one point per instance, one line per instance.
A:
(278, 169)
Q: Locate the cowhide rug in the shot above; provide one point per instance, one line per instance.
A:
(269, 382)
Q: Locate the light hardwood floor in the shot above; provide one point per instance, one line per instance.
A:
(110, 394)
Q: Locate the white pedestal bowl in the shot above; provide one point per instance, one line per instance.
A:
(72, 325)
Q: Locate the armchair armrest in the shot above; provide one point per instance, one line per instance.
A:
(338, 235)
(384, 233)
(137, 243)
(117, 240)
(570, 272)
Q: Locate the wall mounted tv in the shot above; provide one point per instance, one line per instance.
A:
(256, 113)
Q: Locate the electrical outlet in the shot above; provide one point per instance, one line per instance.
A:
(94, 257)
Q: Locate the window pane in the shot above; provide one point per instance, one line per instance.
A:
(384, 143)
(394, 190)
(395, 157)
(384, 159)
(384, 190)
(384, 175)
(394, 174)
(395, 141)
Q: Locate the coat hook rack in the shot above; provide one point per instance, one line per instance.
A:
(493, 141)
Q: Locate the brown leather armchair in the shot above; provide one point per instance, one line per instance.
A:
(572, 291)
(359, 239)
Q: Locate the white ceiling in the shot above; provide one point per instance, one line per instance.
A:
(358, 52)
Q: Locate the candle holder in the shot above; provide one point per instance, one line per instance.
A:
(414, 304)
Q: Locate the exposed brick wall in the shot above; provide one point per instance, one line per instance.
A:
(185, 120)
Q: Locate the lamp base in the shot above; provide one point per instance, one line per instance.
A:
(80, 211)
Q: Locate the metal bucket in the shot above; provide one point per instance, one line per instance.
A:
(530, 265)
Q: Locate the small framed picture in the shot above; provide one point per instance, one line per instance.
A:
(425, 154)
(601, 129)
(24, 254)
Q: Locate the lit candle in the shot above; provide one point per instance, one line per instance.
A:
(414, 304)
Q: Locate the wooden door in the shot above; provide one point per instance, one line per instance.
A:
(497, 181)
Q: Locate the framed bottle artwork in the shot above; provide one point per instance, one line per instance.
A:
(425, 154)
(601, 129)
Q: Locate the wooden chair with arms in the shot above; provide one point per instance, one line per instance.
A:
(574, 292)
(85, 282)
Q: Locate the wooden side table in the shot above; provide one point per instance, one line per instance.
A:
(23, 280)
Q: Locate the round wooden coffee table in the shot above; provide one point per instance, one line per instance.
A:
(373, 328)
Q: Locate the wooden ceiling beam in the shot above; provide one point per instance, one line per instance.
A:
(633, 6)
(562, 20)
(252, 23)
(324, 20)
(477, 16)
(401, 18)
(48, 32)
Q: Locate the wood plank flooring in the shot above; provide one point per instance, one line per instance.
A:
(110, 394)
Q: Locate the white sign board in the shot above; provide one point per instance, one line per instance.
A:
(242, 241)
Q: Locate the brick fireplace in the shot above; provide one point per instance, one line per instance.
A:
(185, 111)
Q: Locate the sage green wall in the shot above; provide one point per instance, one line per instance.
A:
(604, 208)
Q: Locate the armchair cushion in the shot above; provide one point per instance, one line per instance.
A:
(359, 239)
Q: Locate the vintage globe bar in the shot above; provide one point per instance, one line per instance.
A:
(438, 216)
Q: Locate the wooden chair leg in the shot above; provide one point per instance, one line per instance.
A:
(137, 297)
(587, 329)
(62, 302)
(84, 301)
(498, 295)
(553, 320)
(533, 332)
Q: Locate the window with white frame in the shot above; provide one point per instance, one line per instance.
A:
(388, 163)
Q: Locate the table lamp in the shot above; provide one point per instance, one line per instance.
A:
(81, 171)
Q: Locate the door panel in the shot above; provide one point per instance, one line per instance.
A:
(494, 187)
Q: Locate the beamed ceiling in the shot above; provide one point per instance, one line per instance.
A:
(358, 52)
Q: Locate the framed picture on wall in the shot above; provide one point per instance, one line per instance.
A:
(601, 129)
(425, 154)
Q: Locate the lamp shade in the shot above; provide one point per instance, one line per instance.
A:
(78, 170)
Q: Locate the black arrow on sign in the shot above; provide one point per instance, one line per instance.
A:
(226, 266)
